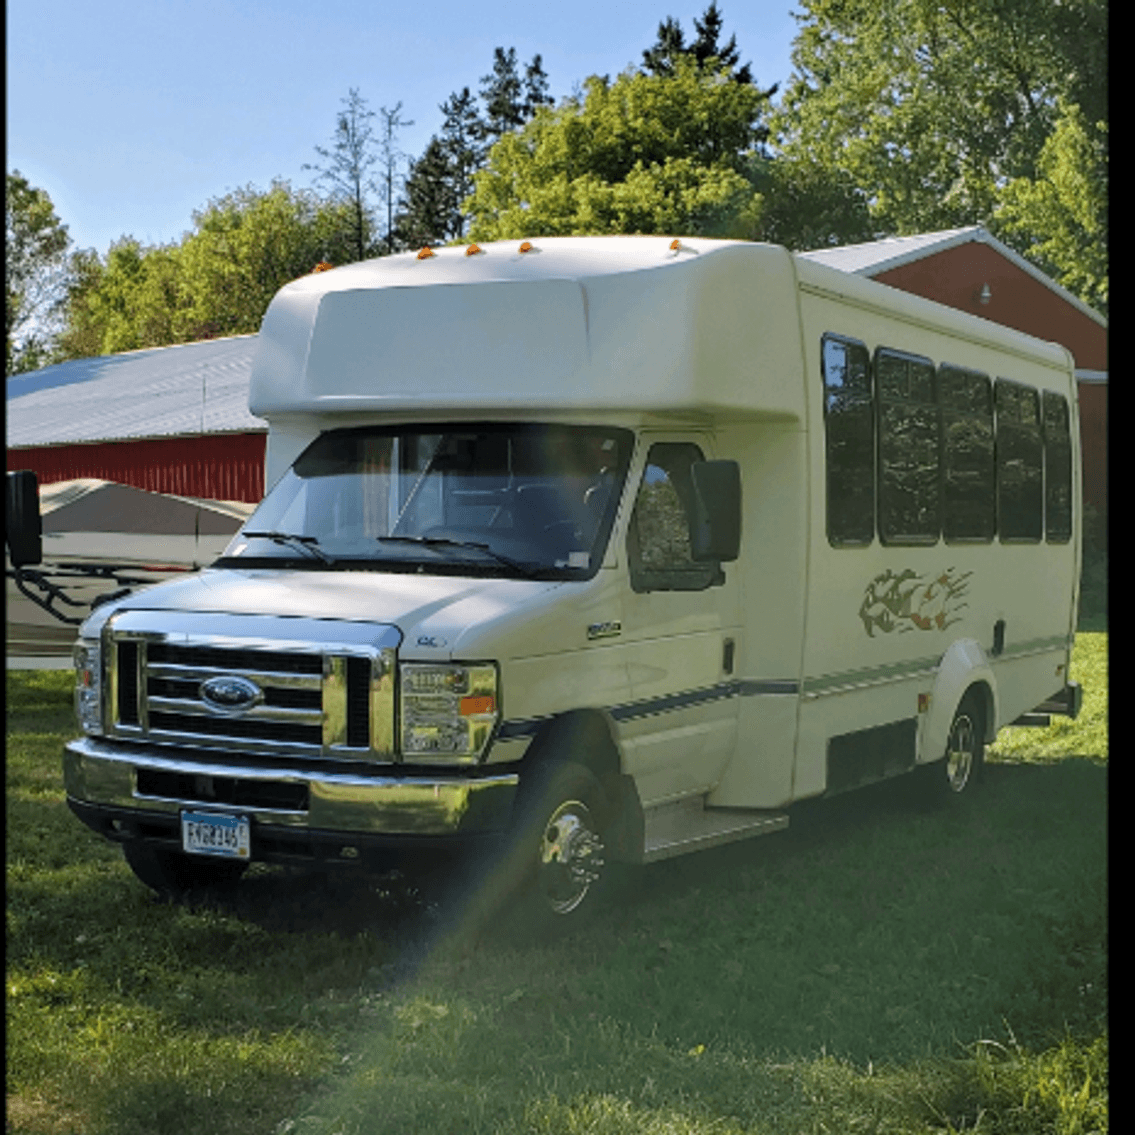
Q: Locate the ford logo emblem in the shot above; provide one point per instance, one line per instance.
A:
(230, 694)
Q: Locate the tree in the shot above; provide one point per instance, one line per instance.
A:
(346, 168)
(218, 281)
(660, 58)
(392, 122)
(804, 205)
(1058, 218)
(35, 275)
(429, 210)
(931, 109)
(441, 180)
(647, 153)
(509, 100)
(463, 141)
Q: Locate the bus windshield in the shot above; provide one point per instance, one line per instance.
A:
(508, 499)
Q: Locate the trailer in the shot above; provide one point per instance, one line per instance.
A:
(593, 549)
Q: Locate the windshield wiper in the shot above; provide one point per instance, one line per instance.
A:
(307, 543)
(529, 571)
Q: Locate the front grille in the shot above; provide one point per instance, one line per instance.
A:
(324, 699)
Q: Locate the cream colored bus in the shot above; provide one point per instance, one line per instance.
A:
(593, 549)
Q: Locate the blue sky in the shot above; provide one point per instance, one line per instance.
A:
(133, 114)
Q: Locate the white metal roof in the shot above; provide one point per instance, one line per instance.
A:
(878, 256)
(191, 388)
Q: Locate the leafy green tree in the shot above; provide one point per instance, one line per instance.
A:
(1059, 218)
(218, 281)
(35, 275)
(646, 153)
(804, 205)
(346, 168)
(931, 109)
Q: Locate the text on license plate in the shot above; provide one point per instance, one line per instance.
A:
(210, 833)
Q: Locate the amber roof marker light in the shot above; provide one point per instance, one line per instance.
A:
(426, 253)
(527, 246)
(322, 266)
(677, 247)
(474, 250)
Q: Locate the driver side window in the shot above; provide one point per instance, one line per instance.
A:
(658, 540)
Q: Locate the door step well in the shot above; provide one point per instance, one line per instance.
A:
(688, 825)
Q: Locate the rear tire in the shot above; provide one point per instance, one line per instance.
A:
(958, 771)
(171, 872)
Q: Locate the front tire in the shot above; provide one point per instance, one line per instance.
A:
(171, 872)
(557, 859)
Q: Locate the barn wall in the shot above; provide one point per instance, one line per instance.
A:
(1093, 437)
(215, 466)
(955, 277)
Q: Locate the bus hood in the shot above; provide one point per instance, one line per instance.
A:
(431, 612)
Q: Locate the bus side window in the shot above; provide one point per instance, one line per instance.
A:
(1020, 488)
(968, 467)
(849, 424)
(909, 449)
(1057, 469)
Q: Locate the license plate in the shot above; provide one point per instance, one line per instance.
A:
(211, 833)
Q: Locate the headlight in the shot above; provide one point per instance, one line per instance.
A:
(448, 711)
(88, 684)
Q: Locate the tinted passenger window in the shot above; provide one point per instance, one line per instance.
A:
(659, 536)
(849, 421)
(1020, 494)
(968, 481)
(1057, 469)
(909, 507)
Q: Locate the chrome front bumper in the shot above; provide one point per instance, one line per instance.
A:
(156, 780)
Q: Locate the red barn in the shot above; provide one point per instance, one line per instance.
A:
(168, 420)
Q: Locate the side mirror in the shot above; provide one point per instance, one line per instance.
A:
(25, 529)
(715, 520)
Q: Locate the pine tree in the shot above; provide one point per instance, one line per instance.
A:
(671, 44)
(535, 88)
(430, 209)
(705, 47)
(659, 59)
(501, 94)
(463, 135)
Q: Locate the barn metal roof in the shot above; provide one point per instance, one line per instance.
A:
(192, 388)
(878, 256)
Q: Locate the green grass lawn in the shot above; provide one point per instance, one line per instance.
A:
(875, 968)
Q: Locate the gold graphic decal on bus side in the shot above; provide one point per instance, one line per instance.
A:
(907, 601)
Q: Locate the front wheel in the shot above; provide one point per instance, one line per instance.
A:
(171, 872)
(558, 852)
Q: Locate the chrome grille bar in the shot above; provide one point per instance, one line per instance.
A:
(194, 708)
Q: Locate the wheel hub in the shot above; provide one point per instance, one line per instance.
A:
(959, 755)
(571, 857)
